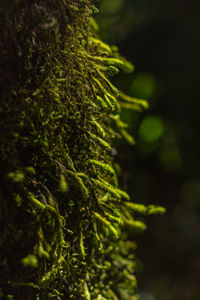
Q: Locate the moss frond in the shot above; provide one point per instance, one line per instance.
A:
(63, 216)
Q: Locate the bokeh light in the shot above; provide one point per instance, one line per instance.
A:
(143, 86)
(151, 129)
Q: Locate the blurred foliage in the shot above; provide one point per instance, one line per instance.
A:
(143, 86)
(151, 129)
(162, 40)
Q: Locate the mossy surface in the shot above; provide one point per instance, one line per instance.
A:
(63, 217)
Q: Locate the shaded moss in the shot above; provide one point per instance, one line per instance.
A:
(63, 216)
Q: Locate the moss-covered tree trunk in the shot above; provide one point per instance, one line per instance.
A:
(62, 214)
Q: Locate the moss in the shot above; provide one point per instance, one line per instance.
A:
(63, 215)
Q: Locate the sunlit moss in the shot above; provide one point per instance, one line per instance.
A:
(30, 261)
(63, 216)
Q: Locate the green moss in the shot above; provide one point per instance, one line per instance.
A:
(63, 217)
(30, 261)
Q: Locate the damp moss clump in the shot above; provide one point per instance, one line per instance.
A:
(63, 217)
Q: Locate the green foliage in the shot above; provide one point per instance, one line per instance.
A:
(63, 217)
(151, 129)
(143, 85)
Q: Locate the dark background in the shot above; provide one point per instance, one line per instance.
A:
(162, 39)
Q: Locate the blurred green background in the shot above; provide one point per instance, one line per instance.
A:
(162, 40)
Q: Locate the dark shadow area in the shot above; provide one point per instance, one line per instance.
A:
(162, 39)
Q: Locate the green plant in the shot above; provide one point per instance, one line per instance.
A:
(63, 217)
